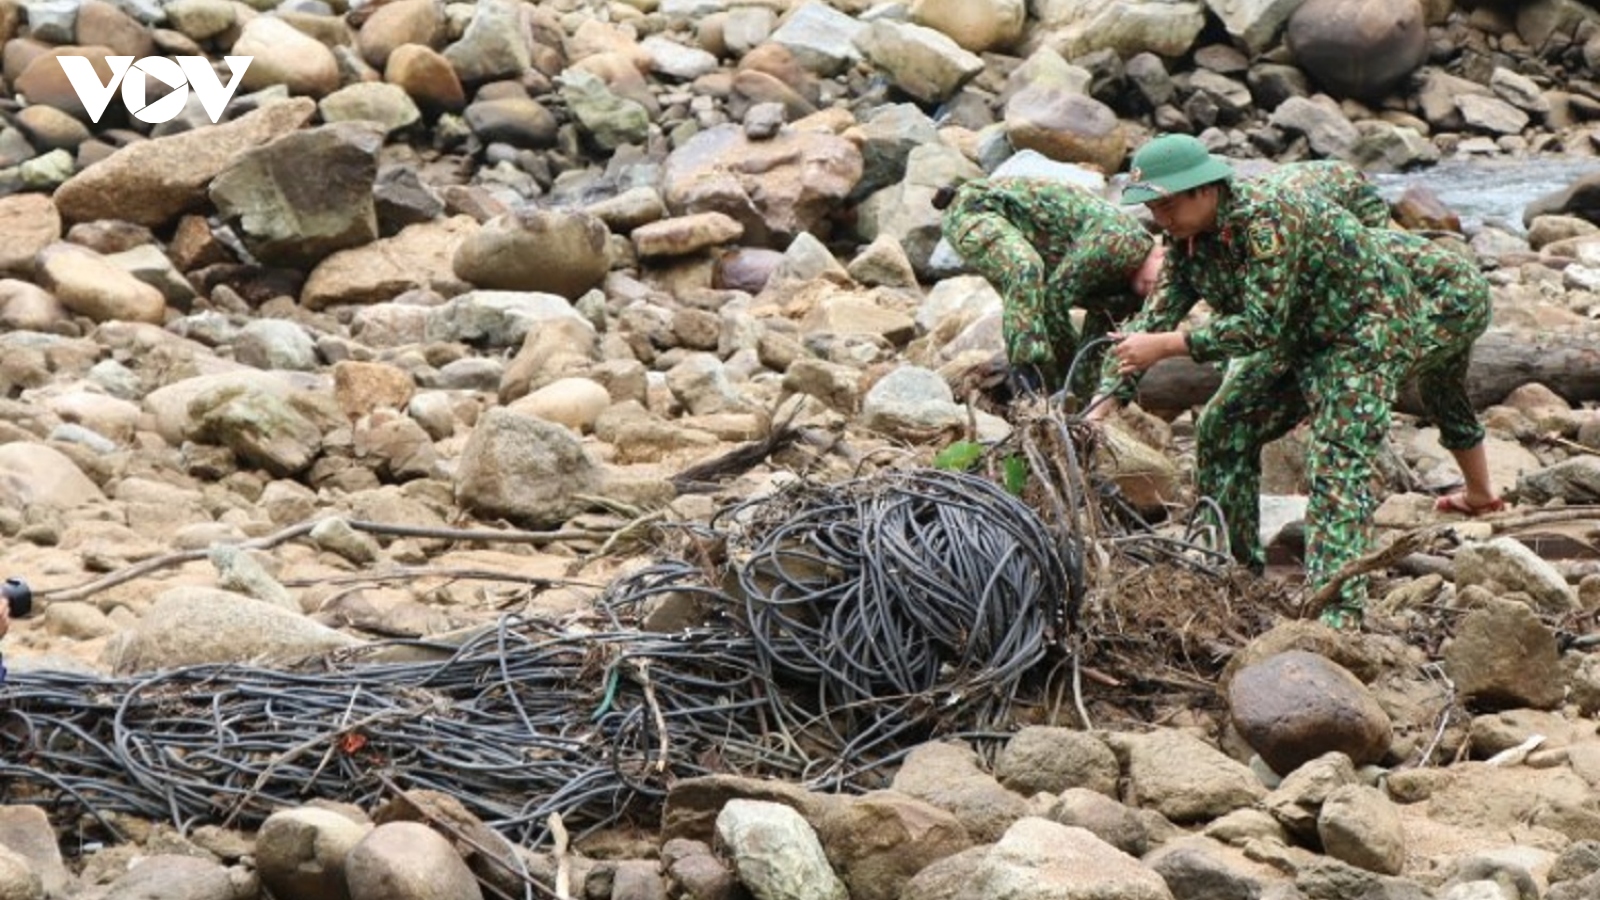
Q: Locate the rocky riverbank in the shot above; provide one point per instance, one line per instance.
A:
(446, 268)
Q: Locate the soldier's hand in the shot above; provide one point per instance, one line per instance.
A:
(1138, 352)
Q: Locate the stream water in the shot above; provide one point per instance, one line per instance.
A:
(1495, 192)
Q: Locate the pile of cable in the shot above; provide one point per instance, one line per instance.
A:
(845, 624)
(907, 598)
(520, 723)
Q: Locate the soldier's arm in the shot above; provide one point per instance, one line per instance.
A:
(1164, 311)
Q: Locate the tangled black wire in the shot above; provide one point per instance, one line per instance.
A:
(845, 624)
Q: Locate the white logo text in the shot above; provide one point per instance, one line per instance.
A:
(178, 73)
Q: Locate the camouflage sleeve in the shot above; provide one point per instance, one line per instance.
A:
(1164, 311)
(1256, 322)
(1368, 205)
(1100, 262)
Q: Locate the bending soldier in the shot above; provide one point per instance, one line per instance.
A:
(1047, 247)
(1316, 316)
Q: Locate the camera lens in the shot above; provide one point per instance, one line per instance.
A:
(19, 597)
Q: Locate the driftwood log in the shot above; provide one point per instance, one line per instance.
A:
(1502, 361)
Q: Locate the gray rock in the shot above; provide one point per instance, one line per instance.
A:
(776, 188)
(1296, 802)
(1183, 778)
(1508, 875)
(905, 210)
(1506, 565)
(1491, 114)
(1358, 49)
(676, 61)
(552, 251)
(1575, 480)
(408, 861)
(1322, 122)
(880, 841)
(1048, 760)
(776, 853)
(494, 45)
(238, 571)
(1196, 868)
(610, 120)
(836, 385)
(1360, 826)
(1039, 858)
(1255, 22)
(275, 344)
(1578, 860)
(54, 21)
(386, 104)
(36, 475)
(1103, 817)
(703, 385)
(523, 469)
(301, 853)
(1328, 879)
(151, 266)
(821, 38)
(518, 121)
(173, 877)
(888, 135)
(1503, 657)
(948, 776)
(694, 871)
(26, 832)
(1581, 889)
(262, 428)
(192, 625)
(304, 196)
(500, 319)
(920, 61)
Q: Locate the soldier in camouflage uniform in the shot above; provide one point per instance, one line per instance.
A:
(1455, 312)
(1340, 182)
(1046, 247)
(1318, 320)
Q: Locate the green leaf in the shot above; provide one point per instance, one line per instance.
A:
(959, 456)
(1016, 474)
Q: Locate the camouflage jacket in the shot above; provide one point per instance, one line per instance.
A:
(1285, 272)
(1089, 247)
(1340, 182)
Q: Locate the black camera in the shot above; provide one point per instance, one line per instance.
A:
(19, 597)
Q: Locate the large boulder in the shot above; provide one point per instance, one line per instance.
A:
(153, 182)
(1067, 126)
(530, 249)
(1297, 706)
(776, 188)
(194, 625)
(305, 195)
(1358, 48)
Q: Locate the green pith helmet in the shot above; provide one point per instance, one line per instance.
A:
(1171, 164)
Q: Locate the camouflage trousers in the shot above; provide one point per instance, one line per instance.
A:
(1036, 320)
(1262, 397)
(1444, 352)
